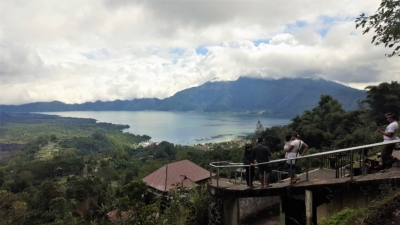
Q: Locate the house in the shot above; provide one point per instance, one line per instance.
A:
(183, 172)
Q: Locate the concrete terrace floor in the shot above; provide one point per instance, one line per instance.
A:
(318, 177)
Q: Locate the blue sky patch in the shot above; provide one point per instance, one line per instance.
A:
(201, 50)
(323, 32)
(295, 26)
(100, 54)
(328, 20)
(258, 42)
(177, 51)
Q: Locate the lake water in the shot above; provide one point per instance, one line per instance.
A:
(184, 128)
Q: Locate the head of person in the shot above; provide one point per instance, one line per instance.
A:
(288, 137)
(390, 116)
(248, 147)
(260, 140)
(295, 136)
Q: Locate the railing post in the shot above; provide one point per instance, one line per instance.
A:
(217, 176)
(235, 174)
(249, 175)
(307, 168)
(241, 175)
(351, 165)
(291, 172)
(210, 174)
(341, 164)
(323, 161)
(229, 174)
(362, 166)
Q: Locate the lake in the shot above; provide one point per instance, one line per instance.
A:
(184, 128)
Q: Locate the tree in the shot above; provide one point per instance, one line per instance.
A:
(259, 128)
(136, 191)
(386, 23)
(59, 206)
(181, 155)
(120, 153)
(200, 203)
(48, 191)
(382, 99)
(324, 124)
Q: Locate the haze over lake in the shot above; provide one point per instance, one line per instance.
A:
(184, 128)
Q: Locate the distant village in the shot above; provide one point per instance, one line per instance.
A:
(239, 141)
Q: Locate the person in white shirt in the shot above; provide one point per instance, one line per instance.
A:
(390, 134)
(288, 139)
(293, 151)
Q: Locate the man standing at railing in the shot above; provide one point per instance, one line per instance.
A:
(296, 148)
(390, 134)
(261, 154)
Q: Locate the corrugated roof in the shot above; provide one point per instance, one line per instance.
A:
(175, 173)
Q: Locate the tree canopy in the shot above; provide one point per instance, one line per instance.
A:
(382, 99)
(324, 124)
(386, 24)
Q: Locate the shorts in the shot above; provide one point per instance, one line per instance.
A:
(264, 168)
(291, 172)
(388, 149)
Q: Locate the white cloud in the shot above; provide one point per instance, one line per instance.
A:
(76, 51)
(284, 39)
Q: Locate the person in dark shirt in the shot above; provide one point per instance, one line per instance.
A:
(249, 160)
(261, 154)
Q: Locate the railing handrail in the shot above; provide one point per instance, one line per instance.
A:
(230, 164)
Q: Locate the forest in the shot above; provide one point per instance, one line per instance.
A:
(56, 170)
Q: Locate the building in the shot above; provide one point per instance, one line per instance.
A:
(183, 172)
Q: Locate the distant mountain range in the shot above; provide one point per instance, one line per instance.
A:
(284, 97)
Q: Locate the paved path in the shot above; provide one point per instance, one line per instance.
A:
(316, 177)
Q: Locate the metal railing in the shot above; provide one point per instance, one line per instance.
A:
(340, 160)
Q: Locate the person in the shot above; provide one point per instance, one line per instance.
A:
(261, 154)
(288, 139)
(390, 134)
(369, 165)
(294, 150)
(248, 160)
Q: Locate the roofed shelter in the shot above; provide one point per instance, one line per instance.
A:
(183, 172)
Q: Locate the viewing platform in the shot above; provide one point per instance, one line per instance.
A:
(316, 179)
(339, 180)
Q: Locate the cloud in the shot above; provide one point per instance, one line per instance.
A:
(78, 51)
(19, 60)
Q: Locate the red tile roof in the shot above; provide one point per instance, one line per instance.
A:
(175, 173)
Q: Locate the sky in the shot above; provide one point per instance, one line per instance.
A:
(85, 51)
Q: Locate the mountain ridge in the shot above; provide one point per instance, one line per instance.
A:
(282, 97)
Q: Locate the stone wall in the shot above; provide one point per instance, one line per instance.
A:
(249, 206)
(215, 210)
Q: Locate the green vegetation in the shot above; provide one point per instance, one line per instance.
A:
(76, 171)
(387, 203)
(344, 216)
(386, 25)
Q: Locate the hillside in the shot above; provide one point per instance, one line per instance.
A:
(283, 97)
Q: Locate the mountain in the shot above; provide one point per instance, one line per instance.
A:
(284, 97)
